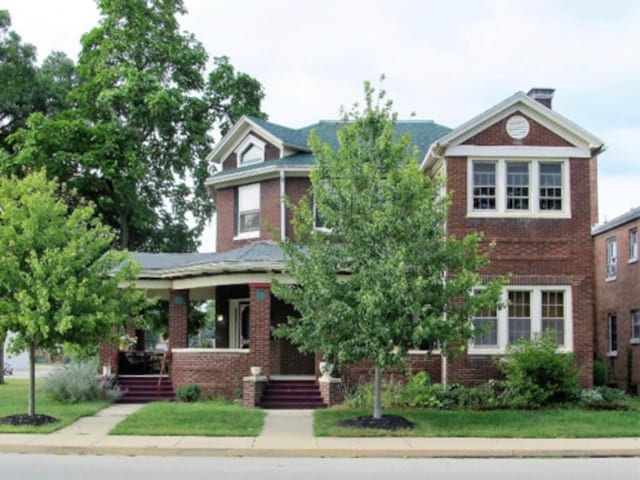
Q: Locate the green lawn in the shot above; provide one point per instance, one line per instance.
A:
(555, 423)
(211, 418)
(14, 399)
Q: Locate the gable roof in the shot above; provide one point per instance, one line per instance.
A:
(519, 102)
(300, 158)
(630, 216)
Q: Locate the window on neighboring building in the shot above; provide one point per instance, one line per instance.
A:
(249, 210)
(550, 186)
(485, 325)
(553, 314)
(635, 326)
(518, 188)
(519, 316)
(484, 185)
(633, 245)
(613, 334)
(612, 259)
(529, 311)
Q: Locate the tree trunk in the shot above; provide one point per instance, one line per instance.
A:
(377, 394)
(444, 372)
(32, 379)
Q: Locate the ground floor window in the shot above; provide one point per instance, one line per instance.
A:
(528, 311)
(635, 326)
(613, 334)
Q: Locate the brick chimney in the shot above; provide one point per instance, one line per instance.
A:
(542, 95)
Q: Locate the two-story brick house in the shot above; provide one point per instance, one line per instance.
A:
(617, 298)
(519, 172)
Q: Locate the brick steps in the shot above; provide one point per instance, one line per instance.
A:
(292, 394)
(138, 389)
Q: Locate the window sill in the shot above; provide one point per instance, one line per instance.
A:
(612, 354)
(635, 341)
(519, 215)
(247, 235)
(610, 279)
(633, 260)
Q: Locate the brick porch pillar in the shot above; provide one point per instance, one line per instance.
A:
(260, 325)
(178, 315)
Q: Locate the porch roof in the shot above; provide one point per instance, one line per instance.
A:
(261, 256)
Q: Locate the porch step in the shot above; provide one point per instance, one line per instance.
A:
(292, 394)
(145, 389)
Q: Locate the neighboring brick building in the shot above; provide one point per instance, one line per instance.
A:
(617, 299)
(519, 172)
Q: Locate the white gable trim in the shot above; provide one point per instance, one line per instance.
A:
(518, 151)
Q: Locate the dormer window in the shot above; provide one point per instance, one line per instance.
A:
(250, 151)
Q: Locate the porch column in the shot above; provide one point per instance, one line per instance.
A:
(260, 325)
(178, 315)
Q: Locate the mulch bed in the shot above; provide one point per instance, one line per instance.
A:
(387, 422)
(31, 420)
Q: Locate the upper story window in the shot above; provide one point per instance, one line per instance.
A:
(613, 335)
(529, 311)
(248, 211)
(250, 151)
(633, 245)
(635, 326)
(611, 269)
(501, 188)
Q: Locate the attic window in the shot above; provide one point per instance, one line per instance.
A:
(252, 153)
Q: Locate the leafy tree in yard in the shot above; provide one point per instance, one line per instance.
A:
(136, 136)
(58, 277)
(384, 277)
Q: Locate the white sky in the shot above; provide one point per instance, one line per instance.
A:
(445, 60)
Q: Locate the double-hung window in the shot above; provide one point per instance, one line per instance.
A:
(635, 326)
(248, 217)
(519, 316)
(518, 188)
(612, 259)
(633, 245)
(613, 335)
(485, 326)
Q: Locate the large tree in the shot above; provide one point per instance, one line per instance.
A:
(135, 139)
(59, 278)
(383, 276)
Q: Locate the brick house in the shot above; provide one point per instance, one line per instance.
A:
(519, 172)
(617, 299)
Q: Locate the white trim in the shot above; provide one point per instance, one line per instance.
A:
(516, 151)
(534, 190)
(536, 318)
(269, 170)
(248, 141)
(247, 235)
(211, 350)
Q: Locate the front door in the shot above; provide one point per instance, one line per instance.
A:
(239, 326)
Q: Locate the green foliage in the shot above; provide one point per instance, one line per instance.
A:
(603, 398)
(374, 285)
(78, 382)
(59, 279)
(363, 396)
(600, 373)
(136, 134)
(189, 394)
(537, 375)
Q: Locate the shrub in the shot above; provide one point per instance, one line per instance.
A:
(537, 375)
(600, 373)
(78, 382)
(362, 395)
(189, 394)
(603, 398)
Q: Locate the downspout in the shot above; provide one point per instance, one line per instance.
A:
(283, 208)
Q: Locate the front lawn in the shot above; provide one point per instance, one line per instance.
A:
(551, 423)
(210, 418)
(14, 399)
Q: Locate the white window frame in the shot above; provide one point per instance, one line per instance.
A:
(254, 188)
(248, 142)
(611, 259)
(612, 319)
(633, 245)
(536, 318)
(534, 210)
(635, 326)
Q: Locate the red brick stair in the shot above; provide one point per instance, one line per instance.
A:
(292, 394)
(144, 389)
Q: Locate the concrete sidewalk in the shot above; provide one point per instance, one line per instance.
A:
(289, 433)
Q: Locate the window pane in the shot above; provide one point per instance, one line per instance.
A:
(612, 258)
(553, 314)
(486, 331)
(517, 186)
(633, 244)
(635, 324)
(251, 154)
(550, 186)
(484, 186)
(519, 316)
(249, 197)
(613, 333)
(249, 221)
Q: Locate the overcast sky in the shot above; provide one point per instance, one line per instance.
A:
(444, 60)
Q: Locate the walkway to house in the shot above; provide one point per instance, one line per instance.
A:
(289, 433)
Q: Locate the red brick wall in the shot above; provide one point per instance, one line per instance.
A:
(178, 318)
(295, 189)
(618, 297)
(496, 134)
